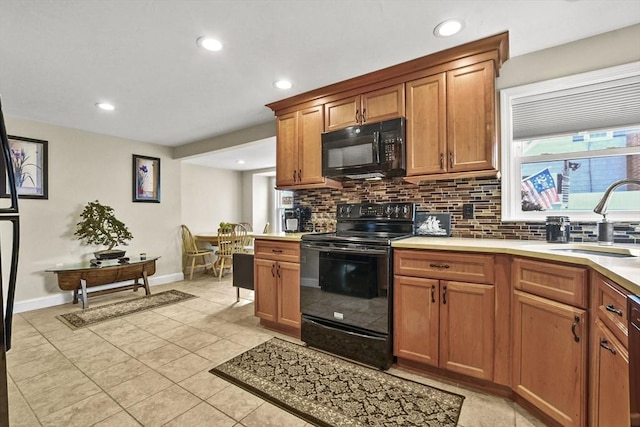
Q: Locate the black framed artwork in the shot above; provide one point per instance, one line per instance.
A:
(29, 158)
(146, 179)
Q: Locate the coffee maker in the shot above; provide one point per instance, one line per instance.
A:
(294, 220)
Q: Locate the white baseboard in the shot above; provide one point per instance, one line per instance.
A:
(67, 296)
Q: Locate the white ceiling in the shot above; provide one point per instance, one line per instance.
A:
(58, 58)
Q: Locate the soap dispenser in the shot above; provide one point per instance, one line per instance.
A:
(605, 232)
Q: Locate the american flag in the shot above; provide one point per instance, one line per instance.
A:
(541, 189)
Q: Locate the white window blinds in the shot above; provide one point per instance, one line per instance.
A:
(593, 106)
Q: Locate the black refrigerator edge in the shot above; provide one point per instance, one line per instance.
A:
(10, 215)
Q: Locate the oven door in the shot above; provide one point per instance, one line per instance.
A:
(347, 286)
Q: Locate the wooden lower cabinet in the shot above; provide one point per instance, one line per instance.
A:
(277, 286)
(445, 324)
(550, 344)
(609, 397)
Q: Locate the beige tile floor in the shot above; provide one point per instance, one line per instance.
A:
(151, 368)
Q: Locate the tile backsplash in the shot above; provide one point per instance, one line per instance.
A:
(448, 196)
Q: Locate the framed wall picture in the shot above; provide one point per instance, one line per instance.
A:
(29, 160)
(146, 179)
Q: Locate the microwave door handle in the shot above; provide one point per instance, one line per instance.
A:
(376, 147)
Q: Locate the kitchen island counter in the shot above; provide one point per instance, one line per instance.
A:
(623, 270)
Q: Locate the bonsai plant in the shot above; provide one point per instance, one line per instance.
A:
(99, 226)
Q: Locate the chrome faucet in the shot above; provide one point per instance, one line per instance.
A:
(605, 228)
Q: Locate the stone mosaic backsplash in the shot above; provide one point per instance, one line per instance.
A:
(448, 196)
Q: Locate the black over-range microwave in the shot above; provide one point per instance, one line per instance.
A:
(373, 150)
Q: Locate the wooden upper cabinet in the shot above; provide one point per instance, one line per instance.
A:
(426, 125)
(287, 149)
(471, 116)
(370, 107)
(310, 145)
(451, 122)
(299, 149)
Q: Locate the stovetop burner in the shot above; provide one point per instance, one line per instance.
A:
(375, 224)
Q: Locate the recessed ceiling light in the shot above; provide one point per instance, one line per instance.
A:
(283, 84)
(448, 28)
(209, 43)
(240, 162)
(105, 106)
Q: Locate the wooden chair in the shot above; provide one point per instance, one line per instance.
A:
(226, 246)
(191, 250)
(243, 242)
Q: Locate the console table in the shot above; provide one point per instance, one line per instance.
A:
(79, 277)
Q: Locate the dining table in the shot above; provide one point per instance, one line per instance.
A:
(212, 237)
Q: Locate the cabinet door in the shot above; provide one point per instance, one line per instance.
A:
(341, 114)
(310, 126)
(471, 134)
(266, 289)
(287, 150)
(609, 379)
(426, 125)
(416, 319)
(288, 274)
(383, 104)
(467, 328)
(549, 365)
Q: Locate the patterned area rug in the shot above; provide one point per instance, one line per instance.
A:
(329, 391)
(91, 316)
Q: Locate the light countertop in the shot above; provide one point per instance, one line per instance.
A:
(292, 237)
(624, 271)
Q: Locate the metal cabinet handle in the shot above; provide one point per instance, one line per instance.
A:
(294, 176)
(364, 115)
(278, 271)
(576, 320)
(357, 116)
(604, 343)
(433, 293)
(451, 159)
(299, 175)
(273, 270)
(612, 308)
(444, 294)
(276, 251)
(441, 160)
(434, 265)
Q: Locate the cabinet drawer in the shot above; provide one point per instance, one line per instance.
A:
(562, 283)
(277, 250)
(474, 268)
(609, 303)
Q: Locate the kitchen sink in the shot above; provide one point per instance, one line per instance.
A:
(608, 251)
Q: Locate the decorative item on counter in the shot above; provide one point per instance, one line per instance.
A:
(432, 224)
(558, 229)
(99, 226)
(143, 256)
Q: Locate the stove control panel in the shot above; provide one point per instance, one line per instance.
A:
(399, 211)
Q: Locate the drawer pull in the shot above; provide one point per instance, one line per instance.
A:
(434, 265)
(612, 308)
(605, 344)
(576, 320)
(276, 251)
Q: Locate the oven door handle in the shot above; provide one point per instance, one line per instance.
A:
(324, 325)
(333, 248)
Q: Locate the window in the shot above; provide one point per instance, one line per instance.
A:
(564, 141)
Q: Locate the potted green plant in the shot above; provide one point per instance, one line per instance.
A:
(99, 226)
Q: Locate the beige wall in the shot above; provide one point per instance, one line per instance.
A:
(593, 53)
(209, 197)
(85, 166)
